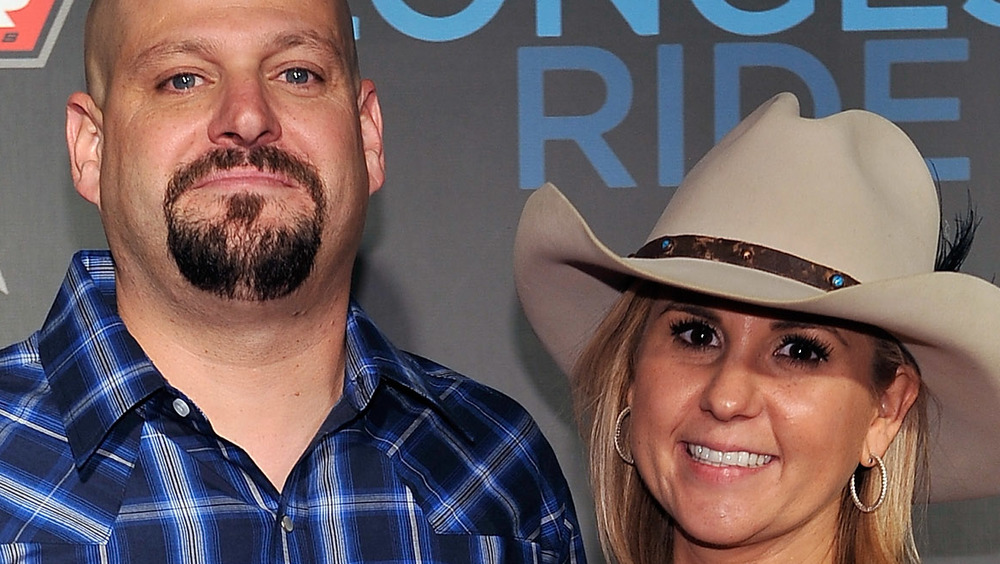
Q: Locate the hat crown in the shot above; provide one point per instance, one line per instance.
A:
(850, 192)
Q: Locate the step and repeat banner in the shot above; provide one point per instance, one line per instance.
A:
(484, 100)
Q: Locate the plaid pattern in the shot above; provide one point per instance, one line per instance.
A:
(102, 461)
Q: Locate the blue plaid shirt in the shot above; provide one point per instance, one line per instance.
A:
(101, 460)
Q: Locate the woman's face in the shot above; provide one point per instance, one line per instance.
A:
(747, 424)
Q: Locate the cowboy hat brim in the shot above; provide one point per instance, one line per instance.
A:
(567, 280)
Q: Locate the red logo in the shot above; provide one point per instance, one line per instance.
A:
(28, 30)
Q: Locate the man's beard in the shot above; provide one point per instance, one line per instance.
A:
(233, 256)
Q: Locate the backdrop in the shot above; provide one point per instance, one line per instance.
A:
(613, 100)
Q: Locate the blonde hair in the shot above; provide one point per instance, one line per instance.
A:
(634, 529)
(886, 535)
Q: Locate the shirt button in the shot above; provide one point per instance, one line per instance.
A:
(287, 524)
(181, 407)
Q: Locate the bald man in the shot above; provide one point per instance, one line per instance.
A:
(207, 391)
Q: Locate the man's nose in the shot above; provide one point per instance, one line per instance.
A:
(245, 115)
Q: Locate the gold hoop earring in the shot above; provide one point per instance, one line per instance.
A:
(627, 457)
(881, 494)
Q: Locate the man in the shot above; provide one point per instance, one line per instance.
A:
(212, 394)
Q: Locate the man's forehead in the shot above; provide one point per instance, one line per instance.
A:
(143, 28)
(135, 15)
(151, 12)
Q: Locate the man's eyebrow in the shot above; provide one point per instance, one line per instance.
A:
(323, 45)
(309, 39)
(202, 47)
(170, 48)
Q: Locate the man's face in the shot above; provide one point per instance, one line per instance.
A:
(233, 144)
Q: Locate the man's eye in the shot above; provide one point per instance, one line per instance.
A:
(183, 81)
(298, 76)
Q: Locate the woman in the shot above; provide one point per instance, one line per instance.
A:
(755, 383)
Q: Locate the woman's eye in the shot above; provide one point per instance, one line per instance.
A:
(695, 333)
(183, 81)
(298, 76)
(803, 349)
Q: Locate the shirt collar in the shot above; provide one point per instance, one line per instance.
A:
(96, 370)
(371, 358)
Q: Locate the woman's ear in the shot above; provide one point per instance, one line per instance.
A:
(893, 405)
(84, 128)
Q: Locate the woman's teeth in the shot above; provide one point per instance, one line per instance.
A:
(718, 458)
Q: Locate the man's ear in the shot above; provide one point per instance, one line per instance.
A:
(894, 403)
(371, 134)
(84, 129)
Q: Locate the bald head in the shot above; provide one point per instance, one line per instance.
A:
(100, 40)
(107, 30)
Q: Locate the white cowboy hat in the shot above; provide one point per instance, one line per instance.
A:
(837, 217)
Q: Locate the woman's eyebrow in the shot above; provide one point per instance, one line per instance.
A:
(692, 309)
(786, 324)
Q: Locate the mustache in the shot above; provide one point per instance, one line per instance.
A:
(264, 158)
